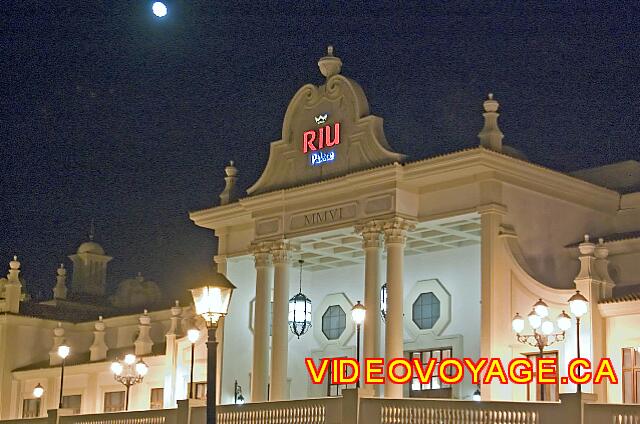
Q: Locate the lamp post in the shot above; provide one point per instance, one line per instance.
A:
(543, 334)
(63, 352)
(578, 305)
(193, 334)
(212, 302)
(129, 372)
(358, 313)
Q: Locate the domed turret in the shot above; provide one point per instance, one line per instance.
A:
(90, 268)
(91, 247)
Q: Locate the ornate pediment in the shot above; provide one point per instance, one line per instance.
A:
(327, 132)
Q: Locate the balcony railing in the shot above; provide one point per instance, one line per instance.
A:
(308, 411)
(352, 408)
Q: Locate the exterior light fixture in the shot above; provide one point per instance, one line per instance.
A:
(477, 396)
(211, 303)
(358, 313)
(63, 352)
(579, 306)
(299, 310)
(383, 301)
(541, 308)
(564, 321)
(546, 327)
(38, 391)
(193, 334)
(534, 320)
(129, 372)
(517, 324)
(544, 333)
(238, 399)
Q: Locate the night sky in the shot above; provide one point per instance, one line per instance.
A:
(112, 114)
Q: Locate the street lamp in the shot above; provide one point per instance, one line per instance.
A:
(578, 305)
(543, 334)
(358, 313)
(129, 372)
(38, 391)
(193, 334)
(63, 352)
(211, 303)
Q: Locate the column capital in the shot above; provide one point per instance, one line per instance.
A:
(371, 232)
(492, 208)
(395, 230)
(282, 251)
(261, 253)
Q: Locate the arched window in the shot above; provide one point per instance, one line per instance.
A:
(426, 311)
(334, 322)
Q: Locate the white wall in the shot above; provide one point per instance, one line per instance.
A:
(546, 225)
(622, 331)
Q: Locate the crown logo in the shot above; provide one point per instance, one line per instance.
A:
(321, 119)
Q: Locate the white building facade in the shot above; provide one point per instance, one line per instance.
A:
(461, 243)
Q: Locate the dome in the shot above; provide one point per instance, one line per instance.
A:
(136, 292)
(91, 247)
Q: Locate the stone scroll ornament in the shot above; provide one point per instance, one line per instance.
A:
(327, 132)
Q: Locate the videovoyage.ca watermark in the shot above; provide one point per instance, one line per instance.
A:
(453, 370)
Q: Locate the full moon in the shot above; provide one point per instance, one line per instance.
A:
(159, 9)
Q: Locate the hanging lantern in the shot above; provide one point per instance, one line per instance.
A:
(383, 301)
(300, 311)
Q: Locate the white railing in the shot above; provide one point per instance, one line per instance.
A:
(351, 408)
(602, 413)
(154, 416)
(422, 411)
(308, 411)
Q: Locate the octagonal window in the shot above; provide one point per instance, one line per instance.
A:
(426, 311)
(334, 322)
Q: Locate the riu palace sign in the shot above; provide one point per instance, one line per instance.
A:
(317, 142)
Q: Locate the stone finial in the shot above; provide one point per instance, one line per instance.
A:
(99, 347)
(586, 247)
(490, 136)
(601, 251)
(176, 310)
(229, 194)
(14, 264)
(143, 343)
(99, 325)
(60, 290)
(330, 65)
(594, 267)
(13, 287)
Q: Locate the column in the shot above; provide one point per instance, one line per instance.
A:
(372, 245)
(496, 335)
(261, 318)
(280, 329)
(395, 237)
